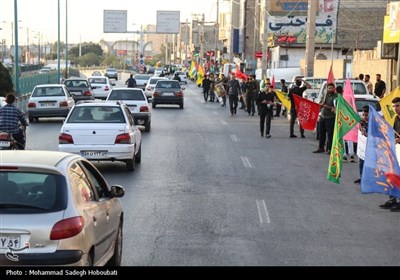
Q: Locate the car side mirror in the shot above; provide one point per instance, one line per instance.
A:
(117, 191)
(113, 84)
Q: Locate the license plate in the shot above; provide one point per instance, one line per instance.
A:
(76, 92)
(93, 153)
(47, 104)
(168, 94)
(10, 241)
(6, 144)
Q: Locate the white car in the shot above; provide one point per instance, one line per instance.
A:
(102, 131)
(137, 103)
(101, 86)
(52, 100)
(151, 84)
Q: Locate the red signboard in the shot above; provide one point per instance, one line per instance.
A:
(258, 54)
(286, 39)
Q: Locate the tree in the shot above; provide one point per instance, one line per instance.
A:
(6, 85)
(89, 59)
(87, 48)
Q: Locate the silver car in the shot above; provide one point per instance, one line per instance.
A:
(57, 209)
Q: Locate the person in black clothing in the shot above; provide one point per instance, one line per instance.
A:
(251, 92)
(380, 87)
(131, 82)
(233, 90)
(266, 100)
(206, 87)
(176, 77)
(224, 81)
(296, 90)
(284, 89)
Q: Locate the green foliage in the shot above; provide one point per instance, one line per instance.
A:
(6, 85)
(113, 61)
(86, 48)
(89, 59)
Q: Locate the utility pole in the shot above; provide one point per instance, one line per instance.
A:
(186, 42)
(202, 39)
(310, 41)
(264, 61)
(216, 37)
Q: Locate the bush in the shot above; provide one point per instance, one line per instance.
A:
(6, 85)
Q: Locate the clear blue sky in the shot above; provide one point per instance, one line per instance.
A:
(85, 17)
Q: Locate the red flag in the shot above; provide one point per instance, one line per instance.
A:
(273, 82)
(240, 74)
(394, 179)
(331, 78)
(307, 112)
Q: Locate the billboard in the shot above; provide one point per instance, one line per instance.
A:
(168, 22)
(115, 21)
(391, 30)
(290, 20)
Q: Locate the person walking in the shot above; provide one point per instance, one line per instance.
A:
(212, 88)
(206, 87)
(380, 87)
(327, 120)
(224, 81)
(233, 90)
(266, 100)
(285, 90)
(364, 131)
(296, 90)
(251, 91)
(131, 82)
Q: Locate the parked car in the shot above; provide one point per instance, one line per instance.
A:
(52, 100)
(102, 131)
(151, 83)
(137, 103)
(101, 86)
(111, 73)
(141, 80)
(57, 209)
(358, 86)
(182, 76)
(79, 88)
(316, 84)
(96, 73)
(168, 92)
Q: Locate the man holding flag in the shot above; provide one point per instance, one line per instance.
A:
(297, 90)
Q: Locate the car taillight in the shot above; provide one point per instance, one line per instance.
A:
(148, 88)
(4, 136)
(179, 93)
(124, 138)
(106, 88)
(31, 105)
(63, 104)
(144, 109)
(67, 228)
(64, 138)
(156, 93)
(87, 93)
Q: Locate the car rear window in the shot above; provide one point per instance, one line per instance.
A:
(126, 95)
(142, 77)
(96, 114)
(48, 91)
(98, 81)
(76, 83)
(167, 84)
(32, 192)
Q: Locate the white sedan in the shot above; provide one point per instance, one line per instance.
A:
(102, 131)
(101, 86)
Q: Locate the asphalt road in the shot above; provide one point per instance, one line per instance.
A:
(211, 192)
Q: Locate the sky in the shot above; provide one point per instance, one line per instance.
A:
(85, 17)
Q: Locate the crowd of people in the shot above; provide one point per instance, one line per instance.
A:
(252, 94)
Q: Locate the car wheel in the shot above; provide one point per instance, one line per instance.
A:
(89, 261)
(153, 104)
(30, 119)
(117, 257)
(181, 105)
(138, 157)
(130, 164)
(147, 127)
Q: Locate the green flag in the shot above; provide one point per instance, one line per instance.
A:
(345, 120)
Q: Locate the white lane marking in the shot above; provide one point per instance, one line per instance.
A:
(234, 138)
(224, 123)
(260, 207)
(246, 162)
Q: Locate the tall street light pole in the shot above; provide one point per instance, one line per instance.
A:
(66, 39)
(58, 46)
(16, 64)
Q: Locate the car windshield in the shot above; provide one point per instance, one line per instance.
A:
(48, 91)
(154, 81)
(96, 114)
(360, 103)
(142, 77)
(111, 70)
(126, 95)
(28, 192)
